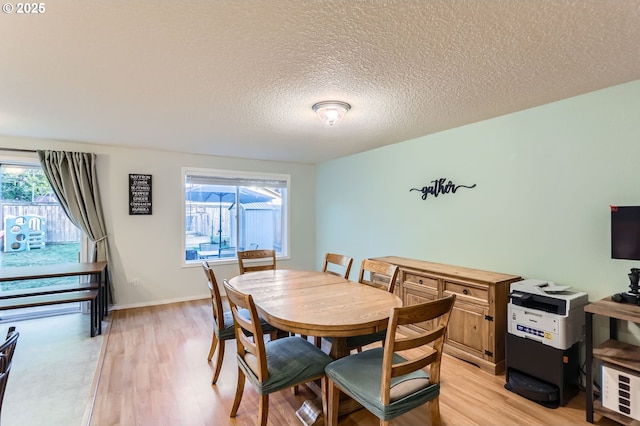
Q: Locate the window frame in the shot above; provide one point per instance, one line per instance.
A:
(233, 174)
(29, 160)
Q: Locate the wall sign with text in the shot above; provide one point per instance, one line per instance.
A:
(139, 194)
(440, 187)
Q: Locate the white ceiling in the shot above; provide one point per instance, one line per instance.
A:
(238, 78)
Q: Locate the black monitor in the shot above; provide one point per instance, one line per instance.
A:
(625, 244)
(625, 232)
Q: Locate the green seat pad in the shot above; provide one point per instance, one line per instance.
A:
(290, 361)
(360, 376)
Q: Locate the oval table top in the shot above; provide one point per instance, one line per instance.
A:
(318, 304)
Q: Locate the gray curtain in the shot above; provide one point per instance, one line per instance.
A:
(72, 176)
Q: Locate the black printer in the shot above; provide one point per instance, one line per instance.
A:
(545, 326)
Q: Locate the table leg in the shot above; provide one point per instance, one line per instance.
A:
(107, 291)
(98, 317)
(92, 314)
(339, 348)
(589, 364)
(100, 296)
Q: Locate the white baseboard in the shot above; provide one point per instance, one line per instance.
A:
(158, 302)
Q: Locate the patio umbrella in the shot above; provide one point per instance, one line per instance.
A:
(202, 193)
(218, 193)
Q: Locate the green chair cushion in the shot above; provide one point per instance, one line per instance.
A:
(290, 361)
(228, 332)
(360, 376)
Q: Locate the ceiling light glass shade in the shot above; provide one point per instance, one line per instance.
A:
(331, 112)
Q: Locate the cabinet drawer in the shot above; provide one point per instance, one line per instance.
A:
(421, 280)
(467, 290)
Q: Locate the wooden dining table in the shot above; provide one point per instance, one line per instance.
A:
(319, 304)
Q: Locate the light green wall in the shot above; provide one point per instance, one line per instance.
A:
(545, 180)
(150, 247)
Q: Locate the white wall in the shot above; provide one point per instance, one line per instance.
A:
(545, 180)
(150, 247)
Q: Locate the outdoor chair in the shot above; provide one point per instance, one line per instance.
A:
(6, 360)
(256, 260)
(223, 322)
(390, 381)
(208, 246)
(274, 365)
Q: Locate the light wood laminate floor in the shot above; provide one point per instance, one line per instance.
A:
(155, 372)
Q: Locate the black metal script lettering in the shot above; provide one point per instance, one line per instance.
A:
(439, 187)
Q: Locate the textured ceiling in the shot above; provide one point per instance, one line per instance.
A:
(238, 78)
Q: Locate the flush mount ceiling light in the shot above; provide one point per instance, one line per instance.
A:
(331, 112)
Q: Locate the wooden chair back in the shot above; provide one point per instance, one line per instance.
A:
(6, 360)
(256, 260)
(216, 298)
(340, 260)
(249, 335)
(382, 275)
(438, 311)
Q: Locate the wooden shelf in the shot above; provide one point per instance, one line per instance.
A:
(619, 353)
(608, 308)
(610, 414)
(612, 351)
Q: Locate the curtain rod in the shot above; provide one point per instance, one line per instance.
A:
(19, 150)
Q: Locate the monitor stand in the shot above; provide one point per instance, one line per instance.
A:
(633, 295)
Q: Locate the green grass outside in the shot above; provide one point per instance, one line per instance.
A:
(50, 254)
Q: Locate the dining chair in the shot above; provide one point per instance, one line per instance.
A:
(378, 274)
(274, 365)
(6, 360)
(266, 260)
(391, 380)
(223, 322)
(381, 275)
(341, 261)
(332, 264)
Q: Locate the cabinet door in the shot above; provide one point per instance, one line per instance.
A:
(413, 294)
(468, 329)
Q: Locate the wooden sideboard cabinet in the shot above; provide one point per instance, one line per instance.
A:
(478, 322)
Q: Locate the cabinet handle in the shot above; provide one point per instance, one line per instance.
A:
(465, 291)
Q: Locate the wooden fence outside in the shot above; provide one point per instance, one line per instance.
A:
(59, 228)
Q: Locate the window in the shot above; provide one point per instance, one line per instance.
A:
(229, 211)
(35, 230)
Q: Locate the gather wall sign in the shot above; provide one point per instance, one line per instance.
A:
(440, 187)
